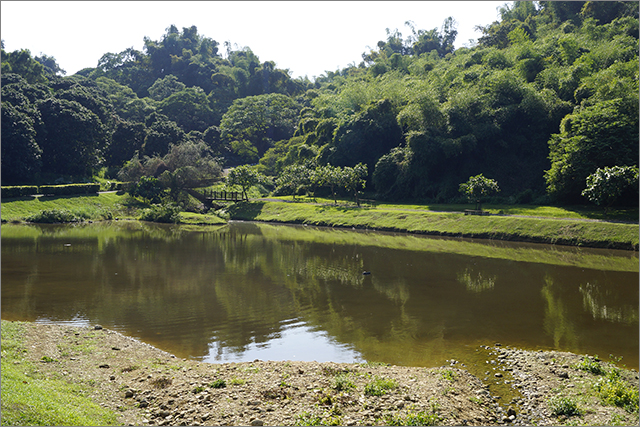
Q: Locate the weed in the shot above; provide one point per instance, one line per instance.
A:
(236, 381)
(379, 386)
(615, 392)
(198, 389)
(563, 406)
(343, 382)
(219, 383)
(47, 359)
(50, 216)
(373, 364)
(590, 364)
(129, 368)
(308, 419)
(414, 419)
(476, 400)
(449, 375)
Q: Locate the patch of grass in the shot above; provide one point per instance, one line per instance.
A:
(308, 419)
(219, 383)
(590, 364)
(449, 375)
(198, 389)
(169, 214)
(236, 381)
(342, 382)
(414, 419)
(563, 406)
(47, 359)
(379, 386)
(41, 401)
(614, 391)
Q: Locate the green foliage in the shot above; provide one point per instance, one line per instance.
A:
(148, 189)
(414, 419)
(244, 177)
(614, 391)
(168, 213)
(606, 185)
(68, 189)
(55, 216)
(605, 134)
(379, 386)
(13, 192)
(478, 188)
(342, 382)
(563, 406)
(592, 365)
(219, 383)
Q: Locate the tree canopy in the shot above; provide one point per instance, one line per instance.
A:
(547, 96)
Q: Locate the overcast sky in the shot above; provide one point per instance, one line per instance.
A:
(306, 37)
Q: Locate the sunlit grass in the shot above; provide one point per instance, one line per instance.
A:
(29, 399)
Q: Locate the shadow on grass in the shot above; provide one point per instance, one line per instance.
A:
(68, 196)
(613, 214)
(247, 211)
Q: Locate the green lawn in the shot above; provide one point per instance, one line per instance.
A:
(30, 399)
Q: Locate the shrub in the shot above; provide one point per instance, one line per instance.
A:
(55, 216)
(592, 365)
(162, 213)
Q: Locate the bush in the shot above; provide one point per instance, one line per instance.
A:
(379, 386)
(162, 213)
(55, 216)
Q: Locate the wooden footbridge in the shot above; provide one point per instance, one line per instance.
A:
(209, 196)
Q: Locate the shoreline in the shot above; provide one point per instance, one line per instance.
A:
(147, 386)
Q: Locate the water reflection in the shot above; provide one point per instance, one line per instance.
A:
(246, 291)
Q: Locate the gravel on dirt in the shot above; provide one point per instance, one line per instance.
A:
(147, 386)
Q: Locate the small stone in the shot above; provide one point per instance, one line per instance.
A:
(511, 412)
(128, 393)
(104, 366)
(257, 422)
(112, 377)
(97, 327)
(563, 374)
(497, 375)
(115, 348)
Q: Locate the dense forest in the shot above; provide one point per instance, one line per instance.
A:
(546, 97)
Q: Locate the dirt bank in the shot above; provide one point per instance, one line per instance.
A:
(147, 386)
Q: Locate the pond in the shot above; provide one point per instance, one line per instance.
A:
(247, 291)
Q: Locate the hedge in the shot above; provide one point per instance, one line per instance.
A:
(49, 190)
(65, 190)
(18, 191)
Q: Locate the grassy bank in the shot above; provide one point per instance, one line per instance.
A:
(539, 224)
(576, 232)
(28, 398)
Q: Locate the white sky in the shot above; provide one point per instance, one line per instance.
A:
(306, 37)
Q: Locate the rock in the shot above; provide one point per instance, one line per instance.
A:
(97, 327)
(257, 422)
(497, 375)
(511, 412)
(563, 374)
(128, 393)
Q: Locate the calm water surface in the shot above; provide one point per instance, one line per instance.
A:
(249, 291)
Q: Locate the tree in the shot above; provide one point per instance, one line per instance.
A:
(295, 179)
(354, 179)
(258, 122)
(75, 138)
(165, 87)
(606, 185)
(478, 188)
(245, 177)
(605, 134)
(330, 176)
(21, 155)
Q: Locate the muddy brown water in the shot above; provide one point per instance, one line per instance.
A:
(247, 291)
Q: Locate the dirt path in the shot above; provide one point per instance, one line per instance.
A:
(147, 386)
